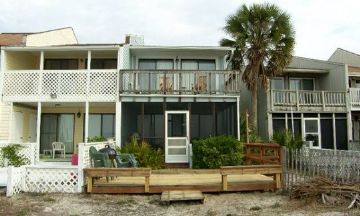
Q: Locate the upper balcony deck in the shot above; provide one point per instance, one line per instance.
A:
(301, 100)
(106, 84)
(177, 82)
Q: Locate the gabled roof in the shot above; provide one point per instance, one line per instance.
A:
(21, 38)
(346, 57)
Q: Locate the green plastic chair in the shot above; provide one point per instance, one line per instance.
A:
(98, 159)
(126, 160)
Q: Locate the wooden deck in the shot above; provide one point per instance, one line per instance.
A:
(142, 180)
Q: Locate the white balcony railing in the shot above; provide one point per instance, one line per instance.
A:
(179, 82)
(307, 99)
(60, 85)
(355, 97)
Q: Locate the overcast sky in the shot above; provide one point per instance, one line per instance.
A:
(321, 26)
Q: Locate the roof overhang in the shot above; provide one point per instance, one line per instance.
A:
(64, 48)
(306, 71)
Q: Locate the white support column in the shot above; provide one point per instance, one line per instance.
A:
(349, 126)
(38, 126)
(86, 122)
(42, 60)
(88, 72)
(238, 117)
(118, 123)
(41, 68)
(270, 125)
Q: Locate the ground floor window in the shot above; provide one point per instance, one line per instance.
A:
(57, 127)
(101, 125)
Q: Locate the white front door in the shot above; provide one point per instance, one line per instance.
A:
(312, 132)
(17, 132)
(176, 136)
(32, 127)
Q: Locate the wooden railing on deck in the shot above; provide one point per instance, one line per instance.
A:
(262, 153)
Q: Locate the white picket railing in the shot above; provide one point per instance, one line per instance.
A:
(301, 99)
(301, 165)
(60, 85)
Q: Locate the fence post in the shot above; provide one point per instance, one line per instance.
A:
(80, 167)
(9, 186)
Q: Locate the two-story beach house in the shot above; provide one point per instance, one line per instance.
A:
(62, 36)
(309, 99)
(165, 95)
(352, 62)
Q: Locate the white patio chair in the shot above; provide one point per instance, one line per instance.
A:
(58, 146)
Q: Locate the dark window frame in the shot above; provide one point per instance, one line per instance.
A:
(61, 59)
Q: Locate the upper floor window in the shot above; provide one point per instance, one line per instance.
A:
(301, 84)
(156, 64)
(277, 83)
(198, 64)
(102, 64)
(61, 64)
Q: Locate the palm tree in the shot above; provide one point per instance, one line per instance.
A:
(264, 39)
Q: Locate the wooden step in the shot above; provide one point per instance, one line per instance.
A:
(186, 195)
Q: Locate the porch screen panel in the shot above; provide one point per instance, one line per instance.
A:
(341, 134)
(66, 131)
(327, 139)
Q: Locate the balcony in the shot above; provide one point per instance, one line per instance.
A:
(287, 100)
(179, 82)
(60, 85)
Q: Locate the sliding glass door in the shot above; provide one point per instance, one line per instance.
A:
(57, 127)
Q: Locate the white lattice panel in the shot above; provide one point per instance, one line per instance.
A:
(103, 85)
(15, 182)
(29, 151)
(60, 85)
(51, 180)
(21, 84)
(64, 83)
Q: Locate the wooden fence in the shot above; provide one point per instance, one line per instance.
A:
(301, 165)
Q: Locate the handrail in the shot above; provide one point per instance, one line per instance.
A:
(300, 98)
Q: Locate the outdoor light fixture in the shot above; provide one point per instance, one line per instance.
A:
(53, 95)
(78, 114)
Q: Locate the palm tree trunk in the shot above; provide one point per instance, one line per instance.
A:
(254, 108)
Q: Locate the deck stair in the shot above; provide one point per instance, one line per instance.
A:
(185, 195)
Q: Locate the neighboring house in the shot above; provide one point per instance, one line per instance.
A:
(352, 61)
(60, 36)
(309, 99)
(165, 95)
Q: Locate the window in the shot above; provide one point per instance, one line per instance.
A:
(301, 84)
(277, 84)
(156, 64)
(101, 125)
(102, 64)
(61, 64)
(198, 64)
(311, 132)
